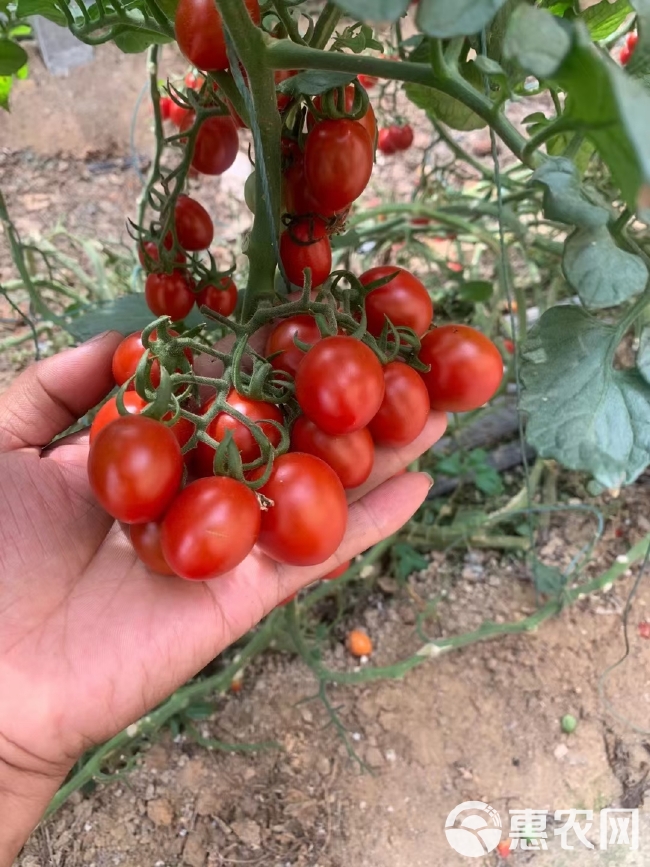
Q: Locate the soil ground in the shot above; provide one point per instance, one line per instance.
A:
(482, 723)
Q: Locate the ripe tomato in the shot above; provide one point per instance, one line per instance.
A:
(182, 429)
(338, 162)
(210, 528)
(194, 228)
(145, 539)
(150, 249)
(304, 244)
(404, 300)
(336, 573)
(165, 107)
(169, 294)
(135, 468)
(130, 351)
(466, 368)
(221, 297)
(367, 81)
(180, 116)
(215, 146)
(194, 82)
(401, 137)
(385, 142)
(133, 403)
(351, 456)
(628, 49)
(368, 121)
(340, 384)
(303, 326)
(306, 523)
(404, 409)
(255, 410)
(359, 643)
(298, 198)
(199, 32)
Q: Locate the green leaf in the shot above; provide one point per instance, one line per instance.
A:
(488, 480)
(643, 354)
(445, 108)
(601, 273)
(47, 8)
(314, 82)
(23, 72)
(126, 314)
(537, 40)
(406, 560)
(486, 66)
(564, 198)
(134, 41)
(169, 7)
(5, 89)
(581, 411)
(374, 10)
(446, 19)
(549, 581)
(449, 466)
(476, 291)
(20, 30)
(605, 18)
(12, 57)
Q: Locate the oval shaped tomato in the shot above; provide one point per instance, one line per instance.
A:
(368, 121)
(194, 228)
(281, 340)
(338, 162)
(180, 116)
(148, 253)
(466, 368)
(340, 384)
(405, 408)
(307, 521)
(135, 468)
(199, 32)
(351, 456)
(215, 146)
(298, 198)
(169, 294)
(336, 573)
(304, 244)
(257, 411)
(385, 142)
(404, 300)
(145, 539)
(401, 136)
(210, 528)
(133, 403)
(130, 351)
(220, 297)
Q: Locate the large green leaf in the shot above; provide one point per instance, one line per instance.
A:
(605, 18)
(47, 8)
(314, 81)
(581, 411)
(445, 108)
(537, 40)
(446, 19)
(126, 314)
(12, 57)
(374, 10)
(565, 200)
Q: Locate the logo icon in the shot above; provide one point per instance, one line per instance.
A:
(475, 834)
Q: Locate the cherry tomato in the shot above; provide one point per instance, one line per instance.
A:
(255, 410)
(336, 573)
(194, 82)
(351, 456)
(169, 294)
(194, 228)
(628, 49)
(297, 197)
(404, 300)
(149, 252)
(135, 468)
(340, 384)
(215, 146)
(165, 107)
(304, 244)
(368, 121)
(466, 368)
(509, 346)
(182, 429)
(199, 32)
(401, 137)
(338, 162)
(180, 116)
(367, 81)
(307, 521)
(109, 412)
(303, 326)
(222, 297)
(404, 410)
(130, 351)
(210, 528)
(145, 539)
(385, 142)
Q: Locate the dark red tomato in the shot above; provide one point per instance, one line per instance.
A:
(199, 32)
(338, 162)
(145, 539)
(404, 300)
(181, 117)
(298, 198)
(307, 521)
(340, 384)
(169, 294)
(385, 142)
(150, 249)
(210, 528)
(135, 468)
(304, 244)
(182, 429)
(128, 354)
(109, 412)
(281, 340)
(215, 146)
(222, 297)
(165, 107)
(281, 75)
(368, 121)
(351, 456)
(336, 573)
(367, 81)
(405, 408)
(466, 368)
(420, 221)
(401, 137)
(194, 228)
(257, 411)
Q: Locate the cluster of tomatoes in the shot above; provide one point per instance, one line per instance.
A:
(395, 138)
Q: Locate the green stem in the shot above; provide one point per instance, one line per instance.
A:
(290, 25)
(325, 26)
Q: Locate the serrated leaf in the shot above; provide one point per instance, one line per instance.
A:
(581, 411)
(446, 19)
(537, 40)
(12, 57)
(313, 82)
(126, 314)
(47, 8)
(549, 581)
(605, 18)
(5, 89)
(476, 291)
(374, 10)
(445, 108)
(601, 273)
(564, 198)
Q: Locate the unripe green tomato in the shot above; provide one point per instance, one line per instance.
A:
(249, 192)
(569, 724)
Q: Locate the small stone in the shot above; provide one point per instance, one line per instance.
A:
(248, 832)
(194, 850)
(374, 757)
(387, 585)
(160, 811)
(561, 751)
(307, 715)
(407, 615)
(323, 766)
(208, 803)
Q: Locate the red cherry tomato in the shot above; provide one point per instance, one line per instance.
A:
(367, 81)
(466, 368)
(133, 403)
(297, 196)
(368, 121)
(169, 294)
(404, 410)
(304, 244)
(351, 456)
(199, 32)
(338, 162)
(303, 326)
(149, 253)
(401, 137)
(385, 141)
(340, 384)
(194, 228)
(307, 521)
(182, 429)
(165, 107)
(210, 528)
(130, 351)
(255, 410)
(135, 468)
(627, 51)
(194, 82)
(222, 297)
(180, 116)
(336, 573)
(404, 300)
(145, 539)
(215, 146)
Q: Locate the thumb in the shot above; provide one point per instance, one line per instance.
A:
(52, 394)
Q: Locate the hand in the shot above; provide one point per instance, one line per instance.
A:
(90, 639)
